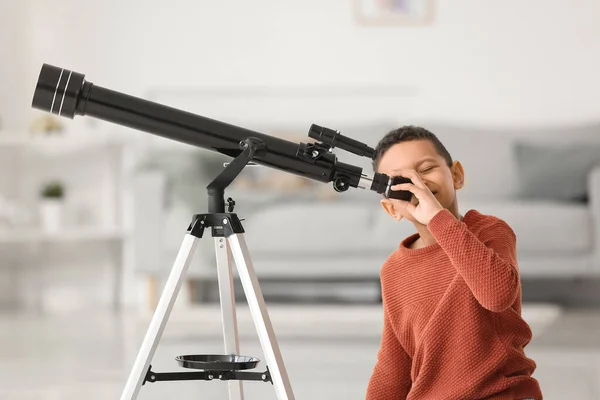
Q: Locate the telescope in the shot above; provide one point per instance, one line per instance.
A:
(67, 94)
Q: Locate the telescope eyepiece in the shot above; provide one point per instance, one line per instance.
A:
(57, 91)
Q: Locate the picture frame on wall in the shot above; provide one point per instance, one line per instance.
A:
(394, 12)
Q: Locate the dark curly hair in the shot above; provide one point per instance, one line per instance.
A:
(406, 134)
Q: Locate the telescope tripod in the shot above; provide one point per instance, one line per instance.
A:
(228, 235)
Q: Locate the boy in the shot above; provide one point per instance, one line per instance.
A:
(452, 324)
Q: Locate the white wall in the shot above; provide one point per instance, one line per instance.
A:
(496, 62)
(502, 62)
(14, 62)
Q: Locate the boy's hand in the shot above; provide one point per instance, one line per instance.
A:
(427, 207)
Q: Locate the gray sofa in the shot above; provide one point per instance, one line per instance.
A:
(545, 183)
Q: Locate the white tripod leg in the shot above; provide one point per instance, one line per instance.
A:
(228, 312)
(260, 316)
(159, 319)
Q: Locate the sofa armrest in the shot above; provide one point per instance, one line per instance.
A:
(594, 199)
(148, 226)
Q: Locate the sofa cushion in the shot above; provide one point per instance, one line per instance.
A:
(487, 158)
(555, 172)
(488, 154)
(543, 227)
(309, 230)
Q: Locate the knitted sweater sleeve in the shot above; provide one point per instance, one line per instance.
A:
(487, 263)
(391, 375)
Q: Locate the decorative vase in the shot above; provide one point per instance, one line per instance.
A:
(51, 214)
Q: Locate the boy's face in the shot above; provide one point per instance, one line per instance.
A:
(422, 156)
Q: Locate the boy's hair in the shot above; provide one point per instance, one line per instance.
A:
(406, 134)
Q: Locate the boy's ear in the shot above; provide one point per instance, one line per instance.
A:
(388, 206)
(458, 175)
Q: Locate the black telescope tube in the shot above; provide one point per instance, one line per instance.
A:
(66, 93)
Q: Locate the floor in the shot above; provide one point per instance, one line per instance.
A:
(328, 354)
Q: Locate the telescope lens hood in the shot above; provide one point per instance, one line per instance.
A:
(57, 91)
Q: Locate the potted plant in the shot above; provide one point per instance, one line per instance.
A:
(51, 206)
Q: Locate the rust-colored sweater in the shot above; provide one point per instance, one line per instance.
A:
(452, 324)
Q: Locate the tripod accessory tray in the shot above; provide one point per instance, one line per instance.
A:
(217, 362)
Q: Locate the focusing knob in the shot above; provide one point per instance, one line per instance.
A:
(256, 145)
(340, 184)
(230, 204)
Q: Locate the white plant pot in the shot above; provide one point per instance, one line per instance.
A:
(51, 214)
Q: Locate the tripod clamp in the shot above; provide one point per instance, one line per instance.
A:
(224, 223)
(207, 375)
(216, 189)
